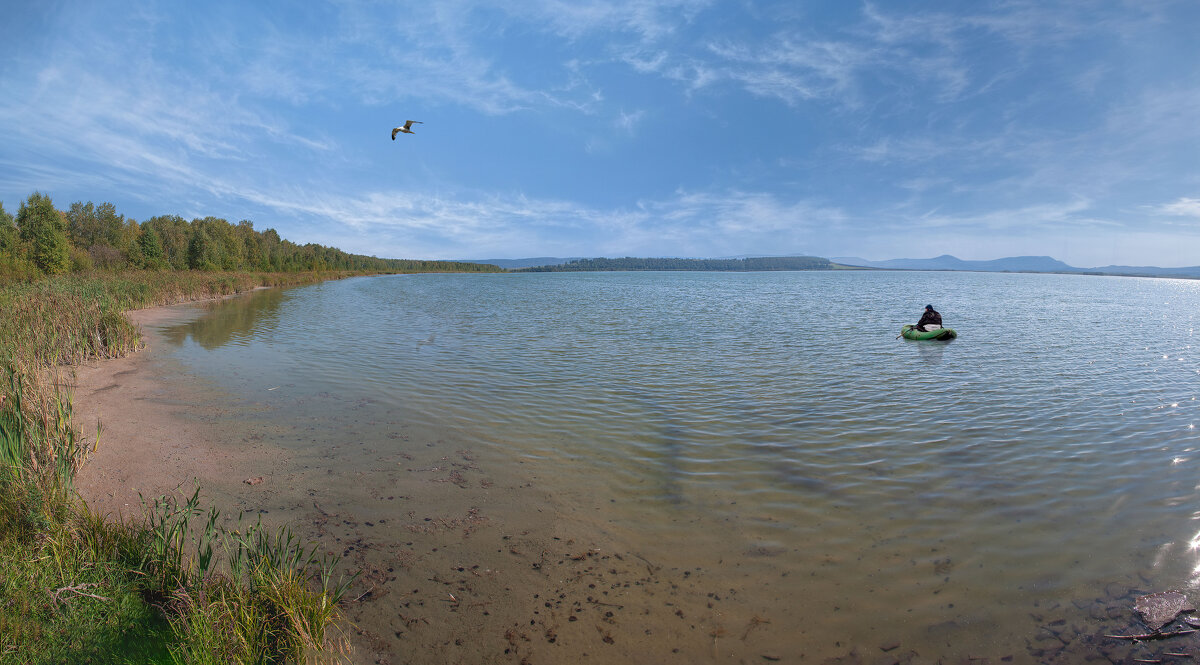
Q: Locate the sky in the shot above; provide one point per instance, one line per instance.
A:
(691, 128)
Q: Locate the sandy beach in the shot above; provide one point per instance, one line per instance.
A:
(150, 443)
(464, 557)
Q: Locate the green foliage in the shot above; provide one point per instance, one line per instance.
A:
(265, 607)
(42, 228)
(729, 265)
(172, 587)
(150, 249)
(15, 268)
(167, 588)
(8, 233)
(203, 250)
(61, 604)
(83, 226)
(39, 445)
(81, 261)
(174, 234)
(87, 237)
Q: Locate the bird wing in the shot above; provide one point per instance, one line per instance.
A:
(394, 131)
(409, 123)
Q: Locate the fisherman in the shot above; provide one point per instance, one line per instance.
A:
(930, 320)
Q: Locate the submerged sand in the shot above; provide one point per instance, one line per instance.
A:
(149, 442)
(474, 553)
(463, 556)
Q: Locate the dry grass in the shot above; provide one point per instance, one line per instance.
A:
(172, 586)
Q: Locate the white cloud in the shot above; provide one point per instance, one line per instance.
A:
(931, 54)
(1184, 207)
(794, 71)
(921, 110)
(572, 19)
(1039, 216)
(908, 150)
(402, 53)
(486, 223)
(628, 122)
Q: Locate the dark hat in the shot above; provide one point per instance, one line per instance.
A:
(928, 306)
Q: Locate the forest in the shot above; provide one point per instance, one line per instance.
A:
(42, 240)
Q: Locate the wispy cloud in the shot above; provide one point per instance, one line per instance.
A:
(648, 20)
(892, 54)
(478, 224)
(1056, 215)
(1184, 207)
(575, 127)
(438, 52)
(793, 70)
(628, 122)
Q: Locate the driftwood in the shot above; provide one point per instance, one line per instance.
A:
(1157, 635)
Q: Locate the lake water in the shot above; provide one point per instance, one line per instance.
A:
(726, 467)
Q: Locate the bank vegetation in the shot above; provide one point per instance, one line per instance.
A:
(174, 584)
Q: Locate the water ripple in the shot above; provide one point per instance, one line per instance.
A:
(780, 394)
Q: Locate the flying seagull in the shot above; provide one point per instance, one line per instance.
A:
(407, 128)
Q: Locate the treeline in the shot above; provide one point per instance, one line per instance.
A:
(732, 265)
(42, 240)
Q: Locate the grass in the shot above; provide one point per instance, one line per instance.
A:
(172, 586)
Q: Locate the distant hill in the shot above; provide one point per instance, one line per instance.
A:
(759, 262)
(513, 264)
(1016, 264)
(730, 265)
(1148, 271)
(947, 262)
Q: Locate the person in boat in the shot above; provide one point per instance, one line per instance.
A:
(930, 320)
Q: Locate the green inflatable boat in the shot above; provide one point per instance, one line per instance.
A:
(940, 334)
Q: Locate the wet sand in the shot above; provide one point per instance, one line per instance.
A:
(481, 556)
(150, 444)
(463, 556)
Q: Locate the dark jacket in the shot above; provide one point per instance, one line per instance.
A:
(930, 316)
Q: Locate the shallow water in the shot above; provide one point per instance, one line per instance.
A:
(798, 483)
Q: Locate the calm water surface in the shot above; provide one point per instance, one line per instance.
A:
(1004, 494)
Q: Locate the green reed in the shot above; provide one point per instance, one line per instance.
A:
(275, 599)
(172, 586)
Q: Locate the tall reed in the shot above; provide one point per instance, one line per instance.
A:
(39, 444)
(246, 595)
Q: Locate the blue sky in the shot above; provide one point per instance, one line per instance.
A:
(624, 127)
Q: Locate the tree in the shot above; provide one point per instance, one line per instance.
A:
(204, 252)
(83, 227)
(43, 227)
(175, 235)
(8, 233)
(112, 226)
(151, 249)
(253, 244)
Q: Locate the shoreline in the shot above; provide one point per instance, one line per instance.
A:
(465, 555)
(468, 557)
(152, 449)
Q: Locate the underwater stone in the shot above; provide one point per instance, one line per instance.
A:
(1160, 609)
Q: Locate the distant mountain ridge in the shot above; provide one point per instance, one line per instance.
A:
(510, 264)
(948, 262)
(944, 262)
(1014, 264)
(755, 264)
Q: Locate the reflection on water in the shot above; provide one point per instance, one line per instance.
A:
(913, 491)
(931, 351)
(232, 321)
